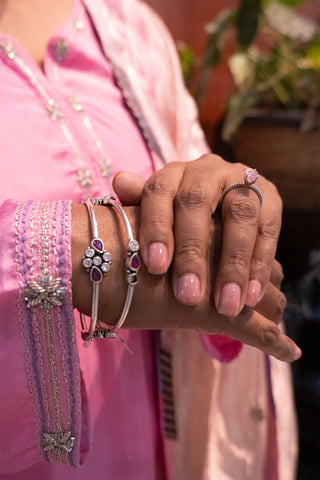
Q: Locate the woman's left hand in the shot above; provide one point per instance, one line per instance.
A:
(177, 203)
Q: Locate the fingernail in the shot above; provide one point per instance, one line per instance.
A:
(297, 353)
(188, 289)
(157, 258)
(229, 301)
(253, 293)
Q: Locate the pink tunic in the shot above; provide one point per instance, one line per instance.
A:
(42, 165)
(99, 407)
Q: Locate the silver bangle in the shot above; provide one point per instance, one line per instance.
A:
(97, 262)
(132, 266)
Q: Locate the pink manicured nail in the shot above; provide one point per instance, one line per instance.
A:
(253, 293)
(229, 301)
(188, 289)
(157, 258)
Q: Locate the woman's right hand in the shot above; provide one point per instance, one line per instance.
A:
(154, 305)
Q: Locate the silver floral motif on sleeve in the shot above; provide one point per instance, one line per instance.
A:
(58, 443)
(46, 292)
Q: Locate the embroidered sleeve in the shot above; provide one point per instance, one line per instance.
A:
(41, 403)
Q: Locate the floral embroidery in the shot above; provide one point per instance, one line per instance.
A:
(47, 293)
(43, 266)
(58, 443)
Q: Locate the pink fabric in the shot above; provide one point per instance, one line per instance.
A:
(220, 347)
(30, 162)
(121, 389)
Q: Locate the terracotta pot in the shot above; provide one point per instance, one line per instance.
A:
(273, 143)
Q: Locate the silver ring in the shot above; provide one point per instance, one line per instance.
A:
(250, 177)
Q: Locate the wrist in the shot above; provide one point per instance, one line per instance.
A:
(114, 286)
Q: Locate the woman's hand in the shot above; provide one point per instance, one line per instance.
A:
(177, 203)
(154, 305)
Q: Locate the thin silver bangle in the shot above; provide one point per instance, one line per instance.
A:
(132, 266)
(97, 262)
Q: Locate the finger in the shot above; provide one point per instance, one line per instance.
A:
(128, 187)
(240, 215)
(253, 329)
(157, 216)
(265, 246)
(192, 222)
(276, 276)
(273, 304)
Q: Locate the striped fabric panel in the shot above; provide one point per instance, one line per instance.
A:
(43, 266)
(167, 394)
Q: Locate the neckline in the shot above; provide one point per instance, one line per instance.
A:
(62, 31)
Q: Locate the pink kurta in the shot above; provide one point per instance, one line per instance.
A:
(43, 166)
(103, 397)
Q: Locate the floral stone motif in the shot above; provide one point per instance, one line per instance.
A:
(97, 260)
(133, 263)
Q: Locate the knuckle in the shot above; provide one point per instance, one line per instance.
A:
(274, 195)
(214, 159)
(262, 263)
(280, 274)
(242, 210)
(156, 223)
(281, 304)
(190, 249)
(157, 186)
(194, 197)
(238, 260)
(269, 229)
(277, 273)
(239, 167)
(269, 336)
(277, 308)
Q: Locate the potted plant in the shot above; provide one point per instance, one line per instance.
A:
(272, 117)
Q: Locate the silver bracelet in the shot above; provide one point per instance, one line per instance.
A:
(132, 266)
(97, 262)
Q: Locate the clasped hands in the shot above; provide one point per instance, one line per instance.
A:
(243, 281)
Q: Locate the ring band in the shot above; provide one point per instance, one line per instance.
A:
(250, 177)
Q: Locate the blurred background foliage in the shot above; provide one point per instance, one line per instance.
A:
(274, 60)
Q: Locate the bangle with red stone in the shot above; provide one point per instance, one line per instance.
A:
(97, 262)
(132, 265)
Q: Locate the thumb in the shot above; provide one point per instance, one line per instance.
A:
(128, 187)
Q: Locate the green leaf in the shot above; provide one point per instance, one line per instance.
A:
(313, 53)
(187, 60)
(247, 21)
(290, 3)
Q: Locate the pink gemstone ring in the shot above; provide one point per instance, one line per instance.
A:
(250, 177)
